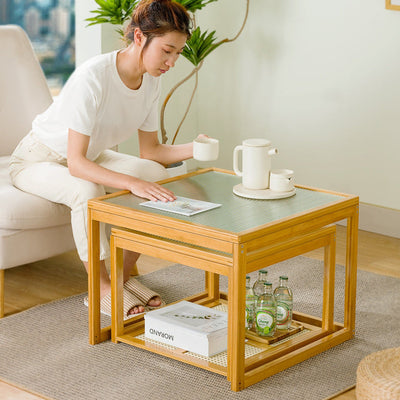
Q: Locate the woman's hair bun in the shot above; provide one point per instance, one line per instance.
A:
(158, 17)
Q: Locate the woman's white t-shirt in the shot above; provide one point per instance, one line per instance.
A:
(95, 102)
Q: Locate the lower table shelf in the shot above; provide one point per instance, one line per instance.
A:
(258, 351)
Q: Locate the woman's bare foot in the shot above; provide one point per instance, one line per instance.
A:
(143, 293)
(136, 310)
(155, 301)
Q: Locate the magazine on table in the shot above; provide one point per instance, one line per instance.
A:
(182, 205)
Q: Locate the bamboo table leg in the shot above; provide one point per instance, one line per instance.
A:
(236, 318)
(94, 279)
(351, 271)
(329, 284)
(212, 285)
(117, 284)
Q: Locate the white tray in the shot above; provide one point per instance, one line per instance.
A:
(263, 194)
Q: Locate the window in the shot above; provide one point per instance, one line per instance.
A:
(50, 25)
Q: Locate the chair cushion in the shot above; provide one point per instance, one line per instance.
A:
(20, 210)
(37, 244)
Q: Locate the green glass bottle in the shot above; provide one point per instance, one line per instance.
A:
(258, 286)
(284, 304)
(250, 304)
(266, 312)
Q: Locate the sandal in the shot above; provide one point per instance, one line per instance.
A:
(143, 293)
(129, 299)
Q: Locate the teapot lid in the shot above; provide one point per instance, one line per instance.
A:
(256, 142)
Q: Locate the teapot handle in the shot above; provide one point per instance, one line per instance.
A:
(236, 160)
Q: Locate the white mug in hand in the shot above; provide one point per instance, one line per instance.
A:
(205, 149)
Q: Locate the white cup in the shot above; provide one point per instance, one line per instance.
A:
(205, 149)
(281, 180)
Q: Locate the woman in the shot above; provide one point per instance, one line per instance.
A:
(66, 157)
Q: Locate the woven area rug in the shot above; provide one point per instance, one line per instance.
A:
(45, 349)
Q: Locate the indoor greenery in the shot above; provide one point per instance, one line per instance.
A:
(198, 47)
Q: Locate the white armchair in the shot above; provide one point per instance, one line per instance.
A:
(31, 228)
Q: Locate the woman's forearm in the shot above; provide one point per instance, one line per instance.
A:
(90, 171)
(168, 154)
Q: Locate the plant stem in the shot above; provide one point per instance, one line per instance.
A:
(242, 27)
(194, 71)
(171, 92)
(188, 107)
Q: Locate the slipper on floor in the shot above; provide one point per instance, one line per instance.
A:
(130, 301)
(143, 293)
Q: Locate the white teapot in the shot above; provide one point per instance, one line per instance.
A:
(256, 162)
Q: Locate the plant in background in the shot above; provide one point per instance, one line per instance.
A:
(114, 12)
(197, 48)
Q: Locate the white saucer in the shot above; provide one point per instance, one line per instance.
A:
(263, 194)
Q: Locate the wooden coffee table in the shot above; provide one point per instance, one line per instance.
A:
(240, 237)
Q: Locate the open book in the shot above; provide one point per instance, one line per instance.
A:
(182, 205)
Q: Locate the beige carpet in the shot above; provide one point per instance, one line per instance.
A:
(46, 350)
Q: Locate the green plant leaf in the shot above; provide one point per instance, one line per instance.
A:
(115, 12)
(199, 46)
(194, 5)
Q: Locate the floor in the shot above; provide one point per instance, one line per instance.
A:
(62, 276)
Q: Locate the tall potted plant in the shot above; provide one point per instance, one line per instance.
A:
(198, 47)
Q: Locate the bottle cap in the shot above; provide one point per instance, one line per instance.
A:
(285, 278)
(267, 284)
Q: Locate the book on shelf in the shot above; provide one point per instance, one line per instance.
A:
(189, 326)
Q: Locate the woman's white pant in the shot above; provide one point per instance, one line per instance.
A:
(36, 169)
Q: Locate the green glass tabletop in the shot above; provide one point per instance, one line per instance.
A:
(236, 214)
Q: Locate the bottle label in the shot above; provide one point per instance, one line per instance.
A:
(265, 321)
(249, 313)
(249, 319)
(283, 313)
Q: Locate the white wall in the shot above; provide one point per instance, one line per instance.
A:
(319, 78)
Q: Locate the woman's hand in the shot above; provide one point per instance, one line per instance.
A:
(202, 136)
(151, 191)
(83, 168)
